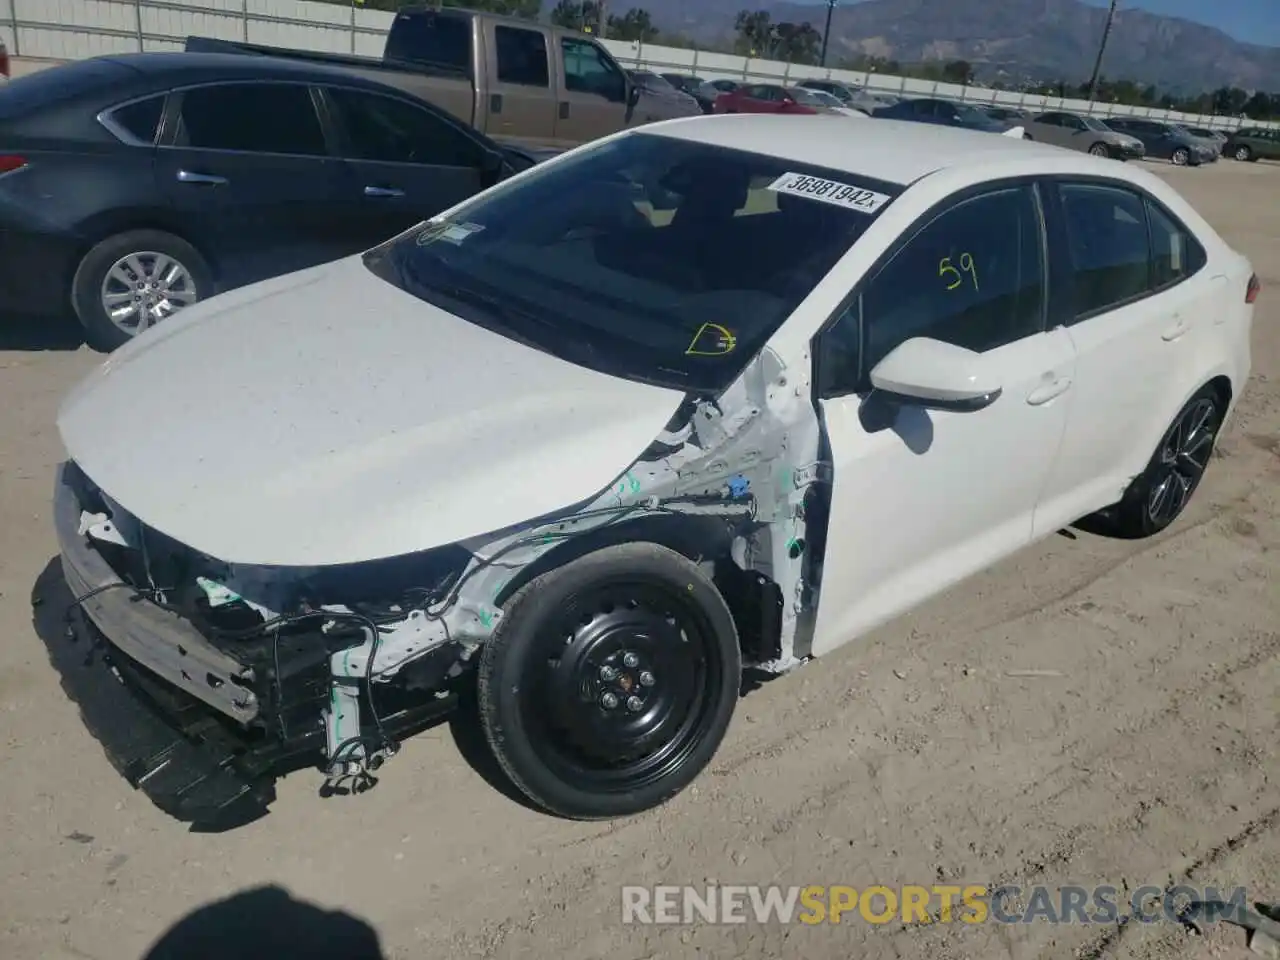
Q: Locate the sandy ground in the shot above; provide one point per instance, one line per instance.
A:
(1143, 752)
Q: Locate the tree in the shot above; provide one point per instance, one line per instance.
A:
(754, 30)
(797, 42)
(529, 9)
(634, 25)
(958, 71)
(576, 14)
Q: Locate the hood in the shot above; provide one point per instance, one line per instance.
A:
(327, 417)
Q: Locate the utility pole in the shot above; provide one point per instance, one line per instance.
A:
(602, 20)
(831, 7)
(1102, 47)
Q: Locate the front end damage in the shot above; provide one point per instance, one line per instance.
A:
(254, 669)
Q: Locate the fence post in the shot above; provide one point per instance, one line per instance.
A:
(137, 14)
(13, 19)
(244, 19)
(353, 27)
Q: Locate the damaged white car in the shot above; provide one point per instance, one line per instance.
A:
(715, 395)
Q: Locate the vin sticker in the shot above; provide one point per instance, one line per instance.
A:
(830, 191)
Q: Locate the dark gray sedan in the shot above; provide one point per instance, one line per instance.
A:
(1167, 141)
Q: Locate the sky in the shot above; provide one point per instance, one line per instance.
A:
(1254, 21)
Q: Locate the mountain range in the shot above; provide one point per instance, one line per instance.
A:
(1048, 40)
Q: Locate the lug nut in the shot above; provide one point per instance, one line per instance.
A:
(608, 673)
(609, 701)
(646, 679)
(634, 704)
(630, 659)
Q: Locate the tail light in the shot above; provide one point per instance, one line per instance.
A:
(1255, 287)
(9, 162)
(4, 60)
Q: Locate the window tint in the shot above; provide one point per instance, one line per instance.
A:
(522, 56)
(426, 36)
(393, 131)
(1050, 119)
(1175, 253)
(973, 277)
(141, 118)
(651, 257)
(1107, 239)
(253, 117)
(587, 71)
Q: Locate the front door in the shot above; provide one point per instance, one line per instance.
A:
(922, 498)
(403, 163)
(246, 167)
(593, 101)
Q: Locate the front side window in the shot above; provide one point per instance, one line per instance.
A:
(388, 130)
(251, 118)
(586, 70)
(648, 257)
(522, 56)
(973, 277)
(1107, 242)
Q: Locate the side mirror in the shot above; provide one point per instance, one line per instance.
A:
(938, 375)
(633, 94)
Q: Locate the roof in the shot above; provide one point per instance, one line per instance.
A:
(893, 151)
(196, 67)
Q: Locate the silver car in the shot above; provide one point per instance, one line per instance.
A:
(1084, 133)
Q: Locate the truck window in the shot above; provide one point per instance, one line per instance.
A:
(436, 39)
(387, 130)
(587, 70)
(522, 56)
(253, 118)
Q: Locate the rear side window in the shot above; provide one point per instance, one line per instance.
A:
(1107, 241)
(138, 120)
(1175, 252)
(252, 118)
(522, 56)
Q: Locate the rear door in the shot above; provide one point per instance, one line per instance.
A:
(522, 100)
(402, 162)
(1048, 128)
(593, 93)
(247, 170)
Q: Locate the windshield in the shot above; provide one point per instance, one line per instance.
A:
(652, 81)
(824, 98)
(972, 114)
(647, 257)
(1093, 123)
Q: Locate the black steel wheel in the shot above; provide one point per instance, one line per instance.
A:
(1160, 493)
(610, 681)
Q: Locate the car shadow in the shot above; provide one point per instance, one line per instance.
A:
(73, 656)
(267, 923)
(26, 332)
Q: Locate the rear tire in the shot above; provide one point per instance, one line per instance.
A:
(1158, 495)
(94, 283)
(609, 682)
(1181, 157)
(1243, 153)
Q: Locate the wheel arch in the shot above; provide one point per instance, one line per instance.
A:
(115, 222)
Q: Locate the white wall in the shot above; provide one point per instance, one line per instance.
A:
(73, 29)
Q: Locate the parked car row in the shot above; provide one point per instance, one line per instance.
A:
(133, 186)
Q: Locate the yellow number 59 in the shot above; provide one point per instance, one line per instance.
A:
(946, 271)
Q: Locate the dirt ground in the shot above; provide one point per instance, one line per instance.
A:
(1144, 748)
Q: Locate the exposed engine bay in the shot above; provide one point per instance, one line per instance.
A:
(337, 660)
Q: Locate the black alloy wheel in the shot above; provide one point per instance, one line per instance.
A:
(610, 681)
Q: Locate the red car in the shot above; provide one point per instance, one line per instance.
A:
(769, 98)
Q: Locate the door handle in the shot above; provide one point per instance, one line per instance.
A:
(1180, 326)
(1042, 395)
(390, 192)
(206, 179)
(495, 103)
(564, 109)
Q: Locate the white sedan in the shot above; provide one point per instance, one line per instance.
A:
(714, 395)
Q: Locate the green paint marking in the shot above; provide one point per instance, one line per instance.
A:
(634, 482)
(498, 590)
(786, 477)
(792, 543)
(486, 618)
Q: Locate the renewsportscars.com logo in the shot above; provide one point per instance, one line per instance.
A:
(938, 903)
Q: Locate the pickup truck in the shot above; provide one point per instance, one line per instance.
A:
(514, 80)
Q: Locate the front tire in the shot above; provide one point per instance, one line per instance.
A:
(1243, 153)
(1100, 150)
(129, 282)
(1158, 495)
(609, 683)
